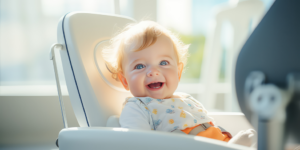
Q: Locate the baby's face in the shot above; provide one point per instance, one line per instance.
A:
(152, 72)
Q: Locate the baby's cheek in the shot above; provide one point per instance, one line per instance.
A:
(135, 91)
(172, 79)
(136, 86)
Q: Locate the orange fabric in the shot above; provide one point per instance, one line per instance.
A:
(211, 132)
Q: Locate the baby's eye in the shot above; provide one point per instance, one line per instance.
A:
(163, 63)
(139, 66)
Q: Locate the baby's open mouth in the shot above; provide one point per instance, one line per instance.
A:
(155, 85)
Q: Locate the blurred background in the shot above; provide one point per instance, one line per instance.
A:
(215, 30)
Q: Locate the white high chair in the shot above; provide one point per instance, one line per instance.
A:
(240, 14)
(97, 98)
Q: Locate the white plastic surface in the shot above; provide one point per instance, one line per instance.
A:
(105, 138)
(113, 121)
(90, 94)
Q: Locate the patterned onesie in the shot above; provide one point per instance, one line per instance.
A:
(169, 115)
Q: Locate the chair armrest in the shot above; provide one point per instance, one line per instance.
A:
(121, 138)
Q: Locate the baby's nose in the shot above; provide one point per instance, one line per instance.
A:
(152, 73)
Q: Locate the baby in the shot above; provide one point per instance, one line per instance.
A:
(148, 60)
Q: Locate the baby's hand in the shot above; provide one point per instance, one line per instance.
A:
(246, 138)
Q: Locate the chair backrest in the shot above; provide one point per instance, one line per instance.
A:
(94, 94)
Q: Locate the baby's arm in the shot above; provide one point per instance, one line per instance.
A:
(134, 118)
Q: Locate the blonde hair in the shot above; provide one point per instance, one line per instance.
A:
(138, 37)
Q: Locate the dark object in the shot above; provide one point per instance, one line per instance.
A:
(274, 49)
(56, 142)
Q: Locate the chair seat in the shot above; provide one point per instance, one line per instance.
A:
(119, 138)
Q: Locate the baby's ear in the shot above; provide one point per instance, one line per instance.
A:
(123, 80)
(180, 68)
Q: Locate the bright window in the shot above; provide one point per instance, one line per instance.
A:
(28, 29)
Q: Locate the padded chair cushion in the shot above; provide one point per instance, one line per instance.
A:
(113, 121)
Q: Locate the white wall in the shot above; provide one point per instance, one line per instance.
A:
(32, 119)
